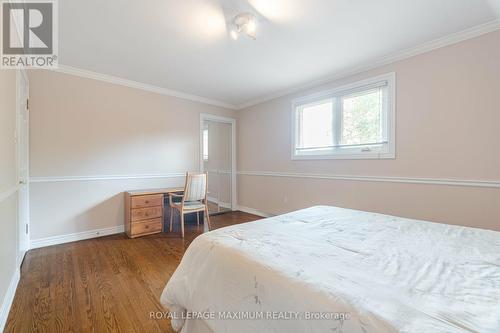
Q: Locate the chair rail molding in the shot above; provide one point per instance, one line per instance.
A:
(104, 177)
(385, 179)
(388, 179)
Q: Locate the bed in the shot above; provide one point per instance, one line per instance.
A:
(329, 269)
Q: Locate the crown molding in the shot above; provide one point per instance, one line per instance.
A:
(383, 179)
(451, 39)
(139, 85)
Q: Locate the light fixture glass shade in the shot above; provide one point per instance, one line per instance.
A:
(251, 29)
(234, 34)
(245, 23)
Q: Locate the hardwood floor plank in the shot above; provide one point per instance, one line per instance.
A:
(108, 284)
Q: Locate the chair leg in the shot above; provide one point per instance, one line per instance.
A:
(182, 224)
(171, 218)
(198, 218)
(208, 218)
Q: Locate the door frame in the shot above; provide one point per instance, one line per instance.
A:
(226, 120)
(22, 82)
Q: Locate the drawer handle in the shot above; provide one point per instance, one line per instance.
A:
(147, 201)
(147, 227)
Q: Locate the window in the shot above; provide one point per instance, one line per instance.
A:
(351, 122)
(205, 144)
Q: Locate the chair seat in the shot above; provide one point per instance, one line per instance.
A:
(195, 205)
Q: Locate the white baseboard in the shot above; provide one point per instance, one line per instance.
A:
(54, 240)
(8, 299)
(254, 211)
(221, 203)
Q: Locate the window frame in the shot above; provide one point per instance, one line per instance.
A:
(378, 151)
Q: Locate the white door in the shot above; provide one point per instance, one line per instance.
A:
(23, 161)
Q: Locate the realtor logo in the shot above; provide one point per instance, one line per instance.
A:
(29, 34)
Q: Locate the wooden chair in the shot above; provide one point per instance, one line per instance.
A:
(194, 199)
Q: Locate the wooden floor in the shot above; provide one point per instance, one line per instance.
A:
(108, 284)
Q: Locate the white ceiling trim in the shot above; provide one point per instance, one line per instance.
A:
(454, 38)
(139, 85)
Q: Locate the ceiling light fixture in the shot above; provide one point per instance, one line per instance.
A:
(244, 23)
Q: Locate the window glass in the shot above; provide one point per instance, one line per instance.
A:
(316, 125)
(361, 118)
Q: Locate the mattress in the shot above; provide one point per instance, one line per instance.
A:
(329, 269)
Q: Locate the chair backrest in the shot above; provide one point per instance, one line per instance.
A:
(196, 187)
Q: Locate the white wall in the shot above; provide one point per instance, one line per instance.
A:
(86, 128)
(8, 193)
(447, 126)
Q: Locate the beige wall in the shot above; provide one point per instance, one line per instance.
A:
(7, 129)
(447, 126)
(83, 127)
(8, 183)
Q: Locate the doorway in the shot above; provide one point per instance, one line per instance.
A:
(22, 150)
(217, 158)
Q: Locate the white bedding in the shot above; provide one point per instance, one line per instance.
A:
(389, 274)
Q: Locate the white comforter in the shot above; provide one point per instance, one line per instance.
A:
(362, 272)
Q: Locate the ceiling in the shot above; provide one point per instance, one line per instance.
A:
(183, 45)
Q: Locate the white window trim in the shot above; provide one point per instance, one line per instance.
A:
(390, 149)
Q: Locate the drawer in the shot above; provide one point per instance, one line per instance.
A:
(147, 213)
(142, 201)
(146, 227)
